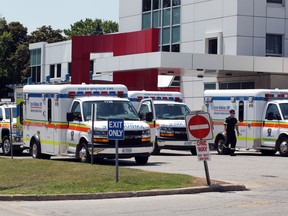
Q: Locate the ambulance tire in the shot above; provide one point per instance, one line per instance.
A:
(220, 146)
(6, 146)
(35, 149)
(83, 152)
(141, 160)
(156, 149)
(283, 147)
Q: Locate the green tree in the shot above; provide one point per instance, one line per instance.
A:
(46, 34)
(91, 27)
(14, 54)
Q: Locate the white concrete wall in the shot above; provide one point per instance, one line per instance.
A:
(243, 24)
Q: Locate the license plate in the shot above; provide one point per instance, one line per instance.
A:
(127, 150)
(187, 143)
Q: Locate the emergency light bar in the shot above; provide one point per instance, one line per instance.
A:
(72, 94)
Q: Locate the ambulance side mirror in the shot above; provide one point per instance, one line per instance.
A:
(70, 116)
(149, 116)
(1, 118)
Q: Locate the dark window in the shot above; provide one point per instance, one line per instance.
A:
(209, 86)
(156, 4)
(69, 68)
(52, 71)
(49, 110)
(241, 111)
(58, 70)
(275, 1)
(166, 3)
(166, 48)
(273, 45)
(91, 66)
(176, 48)
(146, 5)
(212, 46)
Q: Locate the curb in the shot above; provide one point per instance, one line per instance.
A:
(111, 195)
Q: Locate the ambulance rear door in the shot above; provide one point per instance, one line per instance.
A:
(243, 123)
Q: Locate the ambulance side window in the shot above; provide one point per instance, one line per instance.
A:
(241, 111)
(76, 110)
(144, 109)
(272, 112)
(1, 115)
(49, 110)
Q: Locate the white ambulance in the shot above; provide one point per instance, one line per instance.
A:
(8, 109)
(57, 121)
(168, 128)
(262, 118)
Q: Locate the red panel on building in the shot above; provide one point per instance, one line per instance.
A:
(119, 44)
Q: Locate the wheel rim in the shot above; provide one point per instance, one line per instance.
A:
(34, 150)
(283, 147)
(83, 154)
(220, 145)
(6, 146)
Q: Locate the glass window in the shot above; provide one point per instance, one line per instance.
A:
(156, 4)
(176, 34)
(35, 57)
(248, 85)
(166, 3)
(156, 18)
(275, 1)
(52, 71)
(166, 17)
(176, 2)
(146, 5)
(175, 48)
(209, 86)
(166, 48)
(273, 44)
(58, 70)
(166, 36)
(146, 21)
(176, 15)
(212, 46)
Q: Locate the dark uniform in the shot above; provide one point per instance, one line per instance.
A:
(231, 123)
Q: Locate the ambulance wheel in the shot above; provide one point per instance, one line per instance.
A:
(283, 147)
(220, 146)
(83, 152)
(35, 150)
(6, 146)
(156, 149)
(141, 160)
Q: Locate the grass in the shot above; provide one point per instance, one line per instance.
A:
(26, 176)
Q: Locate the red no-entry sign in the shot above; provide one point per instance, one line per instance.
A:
(198, 125)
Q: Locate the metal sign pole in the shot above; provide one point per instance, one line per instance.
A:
(116, 161)
(93, 132)
(11, 122)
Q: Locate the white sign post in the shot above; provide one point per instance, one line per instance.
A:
(199, 129)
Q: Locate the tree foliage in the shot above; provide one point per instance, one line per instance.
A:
(91, 27)
(14, 45)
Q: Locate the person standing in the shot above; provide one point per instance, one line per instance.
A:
(230, 125)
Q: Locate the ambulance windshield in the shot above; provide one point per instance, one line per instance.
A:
(284, 110)
(110, 109)
(171, 111)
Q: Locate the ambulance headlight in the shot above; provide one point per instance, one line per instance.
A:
(166, 132)
(146, 133)
(100, 133)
